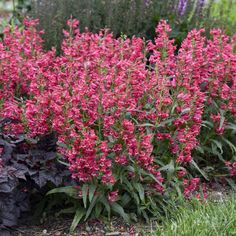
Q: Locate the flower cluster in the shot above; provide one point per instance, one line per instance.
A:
(190, 186)
(113, 107)
(231, 167)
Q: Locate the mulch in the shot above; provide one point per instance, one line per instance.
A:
(55, 226)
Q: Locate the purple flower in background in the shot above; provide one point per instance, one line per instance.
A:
(182, 6)
(201, 3)
(147, 2)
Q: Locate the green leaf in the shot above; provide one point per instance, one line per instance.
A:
(91, 206)
(186, 110)
(145, 216)
(173, 107)
(68, 190)
(207, 124)
(168, 168)
(63, 163)
(140, 190)
(165, 122)
(111, 139)
(85, 189)
(92, 190)
(218, 144)
(130, 168)
(154, 178)
(134, 120)
(69, 210)
(231, 126)
(200, 149)
(175, 184)
(77, 218)
(125, 199)
(201, 171)
(98, 210)
(231, 145)
(152, 203)
(222, 118)
(133, 216)
(180, 195)
(104, 201)
(63, 145)
(146, 125)
(128, 184)
(135, 197)
(119, 209)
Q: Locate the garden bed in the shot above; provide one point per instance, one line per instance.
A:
(114, 127)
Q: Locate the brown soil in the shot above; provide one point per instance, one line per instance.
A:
(54, 226)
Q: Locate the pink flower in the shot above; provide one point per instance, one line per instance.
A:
(112, 196)
(181, 173)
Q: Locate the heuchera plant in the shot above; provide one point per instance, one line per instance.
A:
(26, 167)
(128, 115)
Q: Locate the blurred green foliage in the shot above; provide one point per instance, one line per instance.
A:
(223, 14)
(133, 17)
(12, 12)
(129, 17)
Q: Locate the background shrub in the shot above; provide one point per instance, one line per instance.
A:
(138, 17)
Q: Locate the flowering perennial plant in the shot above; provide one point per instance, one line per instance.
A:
(128, 114)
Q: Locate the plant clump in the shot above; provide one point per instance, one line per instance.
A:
(135, 123)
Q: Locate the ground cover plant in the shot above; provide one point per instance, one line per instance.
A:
(195, 218)
(136, 123)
